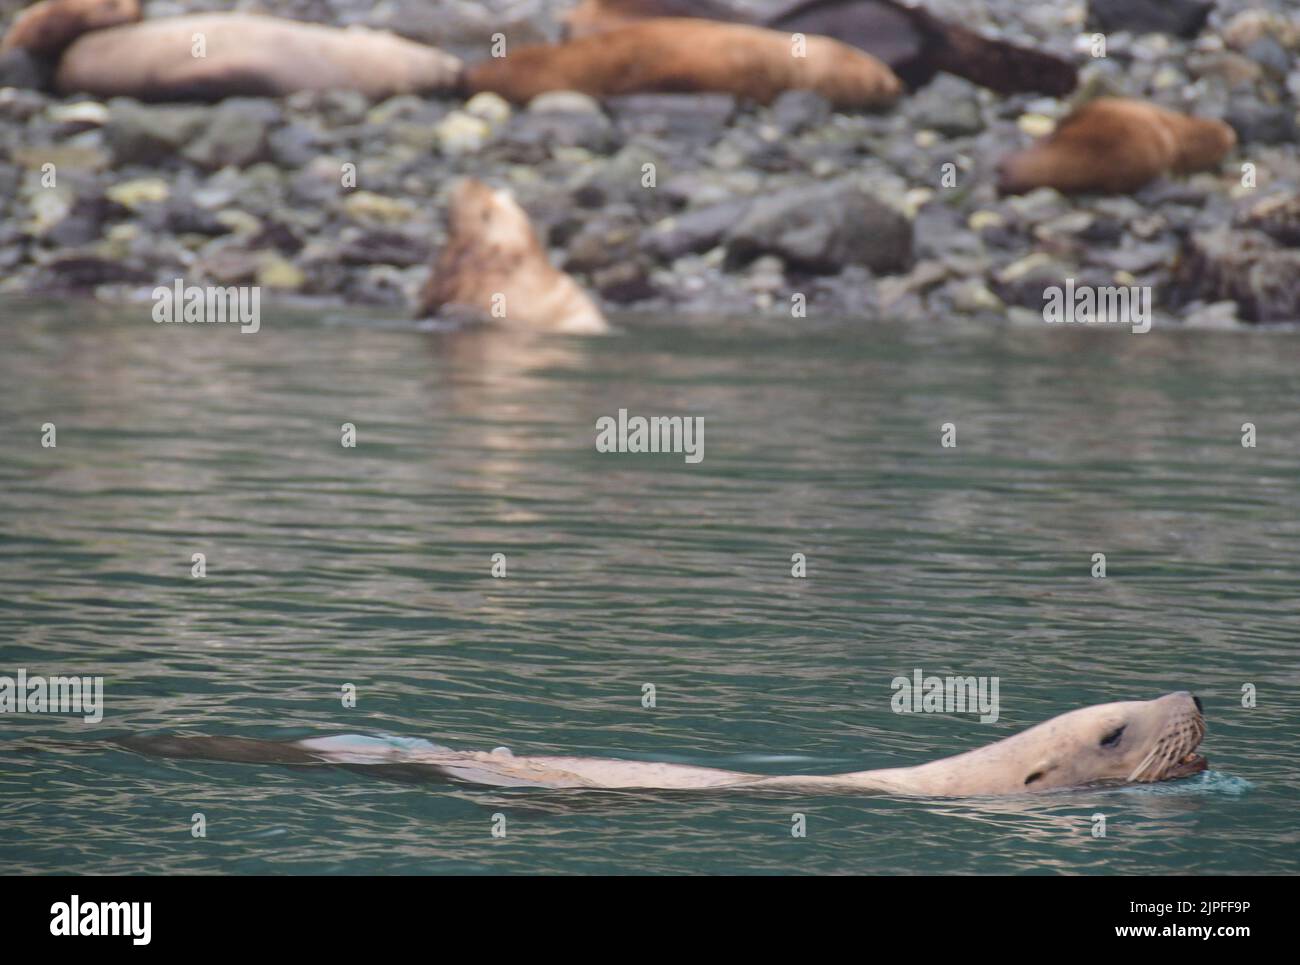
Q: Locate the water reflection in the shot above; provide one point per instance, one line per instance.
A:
(371, 566)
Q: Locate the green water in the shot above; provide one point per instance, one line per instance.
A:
(371, 566)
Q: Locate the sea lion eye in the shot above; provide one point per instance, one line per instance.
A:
(1111, 739)
(1033, 777)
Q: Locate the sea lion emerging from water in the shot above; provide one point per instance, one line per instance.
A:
(1139, 741)
(248, 54)
(494, 266)
(915, 44)
(1115, 145)
(46, 28)
(681, 54)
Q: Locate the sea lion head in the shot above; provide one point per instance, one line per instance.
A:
(488, 217)
(1203, 142)
(46, 28)
(495, 266)
(1136, 741)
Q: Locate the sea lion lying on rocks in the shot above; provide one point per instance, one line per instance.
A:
(213, 56)
(913, 42)
(683, 54)
(1115, 145)
(495, 267)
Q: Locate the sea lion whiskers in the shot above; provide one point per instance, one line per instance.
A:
(1174, 751)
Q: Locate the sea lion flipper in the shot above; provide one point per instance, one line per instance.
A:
(1003, 67)
(917, 45)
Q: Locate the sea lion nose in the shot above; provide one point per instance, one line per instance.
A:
(1197, 701)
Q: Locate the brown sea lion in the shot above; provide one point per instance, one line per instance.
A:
(914, 43)
(681, 54)
(248, 54)
(46, 28)
(494, 266)
(1115, 145)
(1127, 742)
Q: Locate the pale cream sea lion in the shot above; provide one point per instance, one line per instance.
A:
(1116, 145)
(495, 266)
(1130, 742)
(674, 54)
(248, 54)
(46, 28)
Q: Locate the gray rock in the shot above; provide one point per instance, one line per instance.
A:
(79, 271)
(696, 229)
(227, 264)
(377, 246)
(1257, 122)
(377, 285)
(1025, 282)
(1183, 18)
(1269, 53)
(822, 229)
(1244, 266)
(1217, 315)
(530, 136)
(293, 145)
(1277, 216)
(948, 105)
(1135, 259)
(624, 283)
(795, 111)
(84, 223)
(681, 118)
(335, 107)
(179, 215)
(19, 105)
(941, 231)
(607, 238)
(622, 178)
(140, 134)
(564, 102)
(20, 69)
(236, 134)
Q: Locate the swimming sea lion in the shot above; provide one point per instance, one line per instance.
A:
(680, 54)
(46, 28)
(1140, 741)
(494, 265)
(248, 54)
(1116, 145)
(913, 42)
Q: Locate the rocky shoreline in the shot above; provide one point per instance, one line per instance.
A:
(751, 207)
